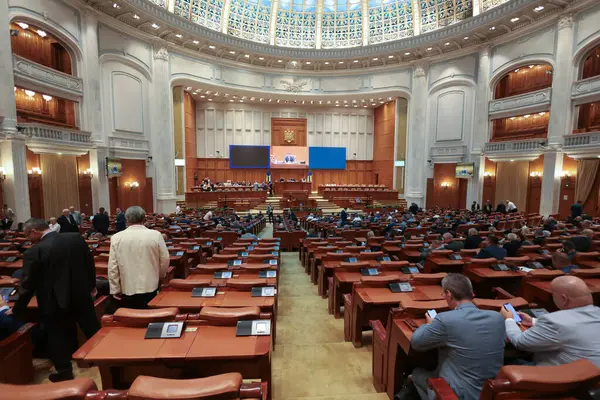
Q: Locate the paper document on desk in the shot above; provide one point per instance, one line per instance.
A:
(525, 269)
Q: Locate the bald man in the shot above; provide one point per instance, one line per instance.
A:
(562, 336)
(562, 262)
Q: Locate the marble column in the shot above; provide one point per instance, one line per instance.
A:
(16, 185)
(481, 126)
(8, 108)
(100, 194)
(162, 142)
(417, 155)
(561, 117)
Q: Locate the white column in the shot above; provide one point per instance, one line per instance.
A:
(162, 143)
(8, 108)
(100, 195)
(416, 152)
(16, 185)
(561, 115)
(481, 128)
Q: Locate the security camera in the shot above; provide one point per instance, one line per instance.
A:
(429, 162)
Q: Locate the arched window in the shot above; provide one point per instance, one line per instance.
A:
(591, 64)
(524, 79)
(390, 20)
(342, 24)
(296, 23)
(440, 13)
(250, 19)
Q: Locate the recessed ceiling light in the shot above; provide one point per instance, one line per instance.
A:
(231, 52)
(355, 61)
(492, 28)
(447, 44)
(511, 118)
(517, 70)
(512, 160)
(209, 99)
(326, 62)
(261, 58)
(115, 5)
(247, 55)
(542, 113)
(531, 66)
(365, 106)
(345, 105)
(41, 33)
(390, 56)
(466, 38)
(195, 42)
(340, 62)
(179, 35)
(515, 19)
(375, 59)
(241, 101)
(279, 61)
(307, 63)
(135, 16)
(407, 53)
(30, 93)
(155, 26)
(188, 88)
(538, 8)
(526, 115)
(23, 25)
(211, 47)
(231, 101)
(429, 48)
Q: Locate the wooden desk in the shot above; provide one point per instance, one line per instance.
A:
(236, 276)
(442, 264)
(485, 278)
(280, 187)
(122, 354)
(372, 303)
(7, 268)
(180, 263)
(327, 269)
(539, 292)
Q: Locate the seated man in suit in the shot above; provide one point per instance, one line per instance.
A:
(473, 239)
(562, 262)
(492, 250)
(583, 242)
(8, 324)
(470, 342)
(451, 244)
(511, 245)
(563, 336)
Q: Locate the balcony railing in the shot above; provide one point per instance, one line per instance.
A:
(520, 146)
(585, 90)
(48, 133)
(582, 145)
(521, 104)
(39, 76)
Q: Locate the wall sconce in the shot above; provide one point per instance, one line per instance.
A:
(536, 174)
(88, 172)
(35, 171)
(566, 176)
(132, 185)
(2, 174)
(445, 185)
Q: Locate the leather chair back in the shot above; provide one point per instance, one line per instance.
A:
(187, 284)
(393, 264)
(246, 284)
(69, 390)
(229, 316)
(371, 255)
(141, 318)
(221, 258)
(222, 387)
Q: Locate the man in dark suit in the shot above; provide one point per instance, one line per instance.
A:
(501, 208)
(101, 221)
(492, 250)
(120, 218)
(344, 216)
(577, 209)
(59, 270)
(67, 222)
(8, 324)
(487, 208)
(512, 245)
(473, 240)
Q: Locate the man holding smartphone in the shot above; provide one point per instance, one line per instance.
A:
(563, 336)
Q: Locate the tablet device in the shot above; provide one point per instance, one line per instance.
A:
(369, 272)
(164, 330)
(339, 251)
(254, 243)
(178, 253)
(223, 275)
(219, 238)
(509, 307)
(204, 292)
(276, 248)
(351, 260)
(10, 292)
(208, 243)
(10, 259)
(500, 267)
(250, 248)
(535, 312)
(267, 274)
(95, 245)
(265, 291)
(260, 327)
(455, 257)
(410, 270)
(243, 254)
(401, 287)
(363, 243)
(535, 265)
(235, 263)
(383, 258)
(272, 262)
(195, 247)
(275, 253)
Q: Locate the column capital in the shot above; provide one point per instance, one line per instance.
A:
(420, 69)
(485, 50)
(565, 21)
(161, 53)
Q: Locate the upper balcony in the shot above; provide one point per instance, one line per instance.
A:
(582, 145)
(521, 150)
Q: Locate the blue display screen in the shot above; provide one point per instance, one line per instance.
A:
(327, 157)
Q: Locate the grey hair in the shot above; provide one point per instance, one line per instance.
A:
(135, 215)
(459, 285)
(473, 232)
(447, 235)
(546, 233)
(512, 236)
(37, 224)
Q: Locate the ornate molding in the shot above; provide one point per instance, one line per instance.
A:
(127, 147)
(586, 90)
(582, 145)
(565, 21)
(519, 150)
(521, 104)
(161, 54)
(50, 139)
(53, 81)
(420, 70)
(448, 154)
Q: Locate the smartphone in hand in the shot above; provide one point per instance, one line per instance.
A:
(431, 313)
(516, 317)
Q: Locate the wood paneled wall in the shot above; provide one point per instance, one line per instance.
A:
(85, 185)
(489, 183)
(189, 125)
(356, 172)
(567, 187)
(589, 117)
(453, 196)
(524, 80)
(591, 64)
(280, 125)
(37, 110)
(513, 128)
(36, 192)
(122, 196)
(42, 50)
(534, 188)
(384, 143)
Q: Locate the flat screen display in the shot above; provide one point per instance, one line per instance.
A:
(289, 157)
(464, 170)
(327, 157)
(113, 167)
(248, 156)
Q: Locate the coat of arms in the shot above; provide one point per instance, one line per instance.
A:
(289, 136)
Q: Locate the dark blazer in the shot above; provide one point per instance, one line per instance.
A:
(59, 271)
(582, 243)
(121, 225)
(66, 225)
(8, 325)
(456, 245)
(511, 248)
(576, 210)
(101, 223)
(496, 252)
(472, 242)
(501, 208)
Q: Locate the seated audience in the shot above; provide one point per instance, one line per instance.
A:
(248, 235)
(563, 336)
(492, 250)
(511, 245)
(473, 239)
(470, 342)
(451, 244)
(583, 242)
(569, 249)
(562, 262)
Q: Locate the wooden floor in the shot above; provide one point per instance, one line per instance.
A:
(311, 359)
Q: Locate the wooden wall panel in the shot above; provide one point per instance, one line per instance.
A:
(524, 80)
(35, 109)
(534, 188)
(356, 172)
(85, 186)
(591, 205)
(189, 123)
(513, 128)
(489, 184)
(280, 125)
(591, 64)
(567, 187)
(384, 138)
(122, 196)
(589, 117)
(36, 192)
(43, 50)
(451, 196)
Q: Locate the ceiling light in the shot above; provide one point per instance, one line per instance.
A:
(231, 100)
(270, 100)
(155, 26)
(23, 25)
(492, 28)
(41, 33)
(30, 93)
(211, 47)
(241, 101)
(466, 38)
(365, 106)
(390, 56)
(46, 97)
(209, 99)
(135, 16)
(195, 42)
(517, 70)
(247, 55)
(345, 105)
(337, 105)
(511, 118)
(231, 52)
(429, 48)
(407, 53)
(307, 63)
(326, 62)
(115, 5)
(261, 58)
(279, 61)
(538, 8)
(328, 101)
(261, 99)
(531, 66)
(340, 62)
(375, 59)
(543, 113)
(179, 35)
(512, 160)
(188, 88)
(515, 19)
(447, 44)
(355, 61)
(252, 98)
(202, 96)
(526, 115)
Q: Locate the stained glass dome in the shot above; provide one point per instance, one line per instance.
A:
(324, 24)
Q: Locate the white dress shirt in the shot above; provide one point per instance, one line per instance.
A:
(510, 206)
(138, 259)
(54, 227)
